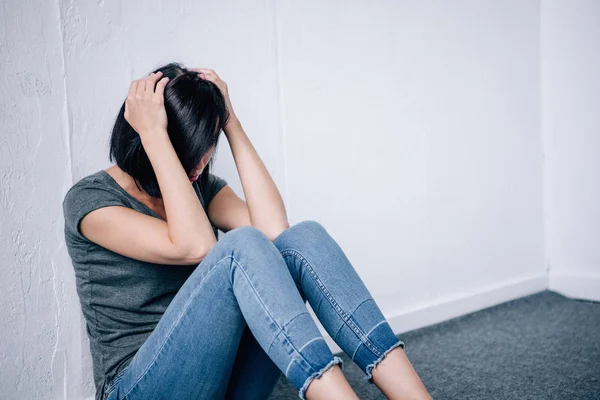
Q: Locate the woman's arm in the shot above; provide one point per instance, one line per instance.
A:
(265, 205)
(188, 224)
(187, 234)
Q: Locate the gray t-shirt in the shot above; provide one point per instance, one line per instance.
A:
(122, 299)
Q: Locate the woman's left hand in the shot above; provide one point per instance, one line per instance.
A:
(211, 75)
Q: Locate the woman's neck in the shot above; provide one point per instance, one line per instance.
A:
(127, 182)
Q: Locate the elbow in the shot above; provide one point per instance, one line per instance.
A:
(199, 252)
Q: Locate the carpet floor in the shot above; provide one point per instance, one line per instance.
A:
(542, 346)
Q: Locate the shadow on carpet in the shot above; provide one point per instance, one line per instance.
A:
(542, 346)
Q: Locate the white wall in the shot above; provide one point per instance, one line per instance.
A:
(410, 130)
(42, 336)
(571, 136)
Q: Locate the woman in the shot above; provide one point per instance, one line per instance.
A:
(171, 312)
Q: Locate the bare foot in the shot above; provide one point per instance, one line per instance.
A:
(397, 379)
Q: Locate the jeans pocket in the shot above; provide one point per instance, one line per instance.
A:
(112, 384)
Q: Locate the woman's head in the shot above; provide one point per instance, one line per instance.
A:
(196, 114)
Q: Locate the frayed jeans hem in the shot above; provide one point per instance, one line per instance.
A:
(369, 369)
(318, 374)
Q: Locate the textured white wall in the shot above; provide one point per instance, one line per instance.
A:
(411, 130)
(571, 128)
(43, 338)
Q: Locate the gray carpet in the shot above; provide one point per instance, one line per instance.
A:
(543, 346)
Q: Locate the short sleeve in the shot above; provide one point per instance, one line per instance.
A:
(215, 183)
(81, 199)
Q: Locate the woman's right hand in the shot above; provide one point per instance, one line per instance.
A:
(145, 107)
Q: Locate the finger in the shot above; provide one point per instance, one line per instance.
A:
(132, 88)
(141, 87)
(151, 81)
(206, 71)
(208, 77)
(146, 82)
(160, 86)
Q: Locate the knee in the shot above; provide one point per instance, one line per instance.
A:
(245, 234)
(307, 230)
(246, 239)
(310, 227)
(251, 246)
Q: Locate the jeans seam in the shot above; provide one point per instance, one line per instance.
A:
(310, 341)
(359, 333)
(376, 325)
(299, 315)
(185, 307)
(351, 314)
(368, 333)
(299, 284)
(281, 330)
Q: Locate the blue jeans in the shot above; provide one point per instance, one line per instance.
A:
(240, 320)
